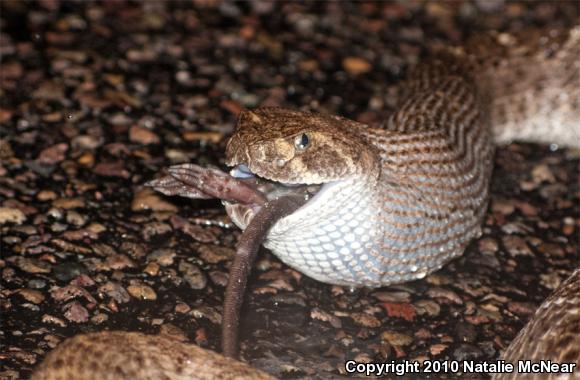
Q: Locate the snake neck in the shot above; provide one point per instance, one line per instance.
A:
(330, 238)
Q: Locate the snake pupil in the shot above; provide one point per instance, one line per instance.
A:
(302, 141)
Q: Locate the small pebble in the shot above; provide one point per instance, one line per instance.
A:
(356, 65)
(46, 195)
(212, 137)
(68, 270)
(116, 291)
(446, 295)
(516, 246)
(36, 283)
(147, 199)
(75, 312)
(46, 318)
(152, 269)
(219, 278)
(143, 292)
(403, 297)
(99, 318)
(396, 339)
(163, 256)
(68, 203)
(117, 262)
(466, 332)
(154, 229)
(503, 206)
(365, 320)
(326, 317)
(400, 310)
(86, 142)
(427, 307)
(522, 309)
(75, 218)
(214, 254)
(542, 173)
(193, 275)
(29, 265)
(467, 351)
(143, 136)
(182, 308)
(34, 296)
(437, 349)
(53, 155)
(488, 245)
(11, 215)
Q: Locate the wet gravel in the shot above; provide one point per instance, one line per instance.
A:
(98, 97)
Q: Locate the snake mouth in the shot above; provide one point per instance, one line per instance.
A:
(270, 188)
(242, 214)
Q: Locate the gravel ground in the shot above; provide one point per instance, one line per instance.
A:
(98, 97)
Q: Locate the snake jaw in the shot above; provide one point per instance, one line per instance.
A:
(242, 214)
(270, 186)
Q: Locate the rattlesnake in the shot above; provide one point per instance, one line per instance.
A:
(394, 204)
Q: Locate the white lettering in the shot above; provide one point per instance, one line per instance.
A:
(379, 369)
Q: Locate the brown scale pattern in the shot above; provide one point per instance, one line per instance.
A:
(129, 356)
(553, 334)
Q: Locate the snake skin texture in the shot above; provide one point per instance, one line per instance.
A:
(131, 356)
(553, 334)
(399, 202)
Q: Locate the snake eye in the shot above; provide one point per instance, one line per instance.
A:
(301, 141)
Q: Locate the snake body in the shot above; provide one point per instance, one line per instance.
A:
(552, 334)
(397, 203)
(394, 203)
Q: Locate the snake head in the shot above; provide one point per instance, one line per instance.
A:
(296, 147)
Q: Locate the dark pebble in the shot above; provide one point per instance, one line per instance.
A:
(467, 352)
(36, 284)
(466, 332)
(67, 271)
